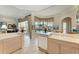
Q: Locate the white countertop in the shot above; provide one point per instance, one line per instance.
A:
(8, 35)
(43, 33)
(66, 37)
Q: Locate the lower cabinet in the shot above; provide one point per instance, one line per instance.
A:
(62, 47)
(53, 47)
(10, 45)
(1, 47)
(42, 42)
(69, 48)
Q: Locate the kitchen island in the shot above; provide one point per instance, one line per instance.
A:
(10, 42)
(42, 40)
(60, 43)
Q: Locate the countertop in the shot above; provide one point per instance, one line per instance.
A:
(65, 37)
(43, 33)
(8, 35)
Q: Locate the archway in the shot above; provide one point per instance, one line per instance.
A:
(66, 25)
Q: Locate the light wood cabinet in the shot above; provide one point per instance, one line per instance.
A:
(1, 47)
(70, 48)
(53, 46)
(10, 45)
(42, 42)
(57, 46)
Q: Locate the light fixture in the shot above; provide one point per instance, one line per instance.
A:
(4, 28)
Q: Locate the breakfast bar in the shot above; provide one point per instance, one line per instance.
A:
(10, 42)
(60, 43)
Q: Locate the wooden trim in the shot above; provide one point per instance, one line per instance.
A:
(44, 19)
(43, 50)
(67, 20)
(15, 51)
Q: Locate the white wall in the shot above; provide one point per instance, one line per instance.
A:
(68, 12)
(71, 12)
(8, 20)
(9, 10)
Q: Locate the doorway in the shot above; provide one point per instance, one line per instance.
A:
(24, 26)
(66, 25)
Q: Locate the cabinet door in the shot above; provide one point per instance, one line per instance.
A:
(53, 46)
(42, 42)
(1, 46)
(12, 44)
(69, 48)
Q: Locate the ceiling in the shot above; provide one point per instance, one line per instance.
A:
(32, 7)
(23, 10)
(43, 10)
(11, 11)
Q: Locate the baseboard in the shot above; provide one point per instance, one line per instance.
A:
(43, 50)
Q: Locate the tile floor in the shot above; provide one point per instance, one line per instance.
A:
(30, 46)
